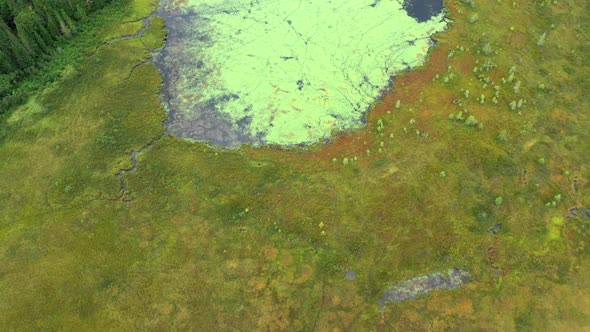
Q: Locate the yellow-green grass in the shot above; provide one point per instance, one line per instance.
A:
(259, 239)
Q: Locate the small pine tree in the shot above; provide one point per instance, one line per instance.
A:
(471, 121)
(541, 40)
(487, 49)
(502, 136)
(499, 200)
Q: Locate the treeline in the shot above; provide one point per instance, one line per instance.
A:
(31, 29)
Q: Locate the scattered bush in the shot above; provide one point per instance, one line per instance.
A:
(471, 121)
(502, 137)
(541, 40)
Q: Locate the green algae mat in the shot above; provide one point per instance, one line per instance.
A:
(284, 72)
(462, 203)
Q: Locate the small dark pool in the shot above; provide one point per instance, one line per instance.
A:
(423, 10)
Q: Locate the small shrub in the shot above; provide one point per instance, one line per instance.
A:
(513, 105)
(380, 125)
(517, 87)
(68, 189)
(487, 49)
(502, 136)
(471, 121)
(541, 40)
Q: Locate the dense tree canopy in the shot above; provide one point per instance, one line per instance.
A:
(30, 29)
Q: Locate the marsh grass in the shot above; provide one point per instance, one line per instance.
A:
(209, 238)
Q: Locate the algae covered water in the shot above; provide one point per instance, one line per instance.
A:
(285, 72)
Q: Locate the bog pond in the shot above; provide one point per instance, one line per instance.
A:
(286, 72)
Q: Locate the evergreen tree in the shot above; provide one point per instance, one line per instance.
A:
(29, 30)
(13, 47)
(7, 65)
(32, 31)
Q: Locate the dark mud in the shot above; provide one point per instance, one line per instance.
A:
(205, 122)
(411, 289)
(580, 213)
